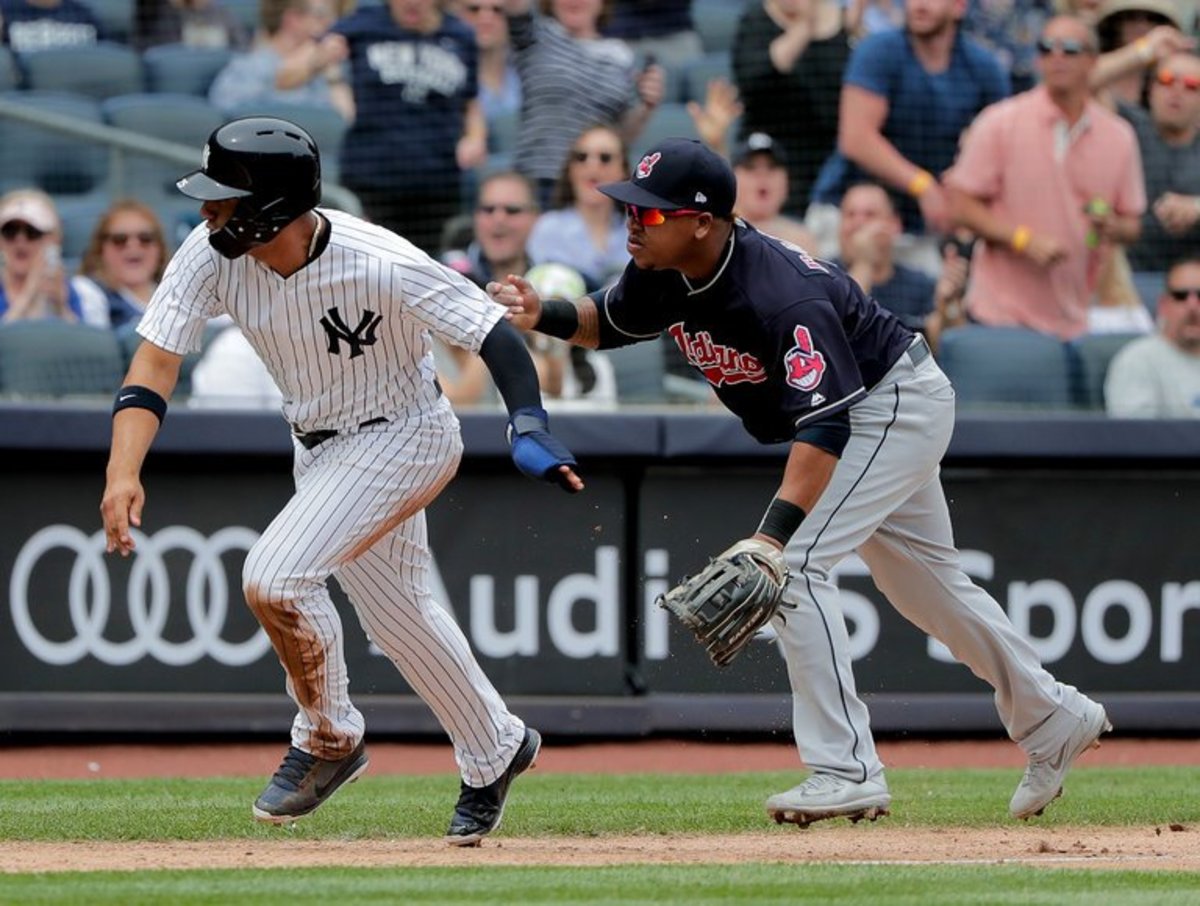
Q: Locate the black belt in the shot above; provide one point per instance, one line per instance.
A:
(310, 439)
(918, 352)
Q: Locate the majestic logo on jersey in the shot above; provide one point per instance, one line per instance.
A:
(803, 363)
(720, 364)
(356, 339)
(646, 165)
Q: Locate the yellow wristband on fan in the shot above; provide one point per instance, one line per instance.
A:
(919, 183)
(1144, 51)
(1020, 239)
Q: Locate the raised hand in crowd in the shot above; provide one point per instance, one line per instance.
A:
(652, 85)
(721, 108)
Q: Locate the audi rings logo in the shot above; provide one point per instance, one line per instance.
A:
(89, 598)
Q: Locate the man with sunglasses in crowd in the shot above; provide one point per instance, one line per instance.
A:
(792, 345)
(1167, 136)
(1051, 181)
(1159, 376)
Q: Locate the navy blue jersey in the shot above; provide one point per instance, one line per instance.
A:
(784, 339)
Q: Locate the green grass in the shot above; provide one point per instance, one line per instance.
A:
(561, 804)
(551, 805)
(894, 886)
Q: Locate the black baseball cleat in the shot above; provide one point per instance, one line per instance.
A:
(480, 809)
(303, 782)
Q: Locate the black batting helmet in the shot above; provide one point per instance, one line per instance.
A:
(270, 165)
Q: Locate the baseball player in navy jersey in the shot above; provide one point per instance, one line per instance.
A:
(341, 312)
(792, 346)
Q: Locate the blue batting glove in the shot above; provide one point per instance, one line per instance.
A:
(535, 451)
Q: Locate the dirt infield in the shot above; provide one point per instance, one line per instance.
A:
(1156, 848)
(1172, 848)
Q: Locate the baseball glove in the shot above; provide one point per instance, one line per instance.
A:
(730, 599)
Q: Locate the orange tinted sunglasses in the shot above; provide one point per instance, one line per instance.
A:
(1168, 78)
(655, 216)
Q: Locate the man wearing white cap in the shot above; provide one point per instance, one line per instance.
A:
(34, 284)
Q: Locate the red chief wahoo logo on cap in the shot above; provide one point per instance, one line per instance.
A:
(805, 366)
(646, 165)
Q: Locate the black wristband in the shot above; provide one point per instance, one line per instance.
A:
(135, 396)
(560, 318)
(781, 520)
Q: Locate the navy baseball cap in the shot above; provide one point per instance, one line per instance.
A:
(679, 173)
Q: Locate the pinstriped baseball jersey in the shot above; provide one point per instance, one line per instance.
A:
(347, 339)
(367, 288)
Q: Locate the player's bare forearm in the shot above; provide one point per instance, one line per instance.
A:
(134, 430)
(588, 333)
(806, 475)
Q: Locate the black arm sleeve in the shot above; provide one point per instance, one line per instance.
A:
(504, 353)
(829, 434)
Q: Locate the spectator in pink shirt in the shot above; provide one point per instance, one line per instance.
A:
(1052, 183)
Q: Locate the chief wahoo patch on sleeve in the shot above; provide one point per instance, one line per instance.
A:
(805, 365)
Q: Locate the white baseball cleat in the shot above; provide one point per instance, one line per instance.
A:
(1043, 780)
(829, 796)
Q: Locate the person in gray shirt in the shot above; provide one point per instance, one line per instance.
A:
(1170, 147)
(1159, 376)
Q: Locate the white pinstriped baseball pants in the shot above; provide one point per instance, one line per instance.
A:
(358, 514)
(885, 500)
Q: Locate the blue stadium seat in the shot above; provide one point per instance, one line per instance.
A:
(97, 70)
(52, 358)
(79, 215)
(1006, 366)
(10, 76)
(55, 162)
(181, 118)
(1091, 355)
(180, 69)
(668, 121)
(128, 340)
(698, 73)
(716, 22)
(246, 10)
(116, 18)
(324, 124)
(640, 372)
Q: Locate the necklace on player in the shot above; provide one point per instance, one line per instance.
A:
(316, 236)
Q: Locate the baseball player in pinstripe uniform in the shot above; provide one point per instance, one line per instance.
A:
(793, 346)
(341, 312)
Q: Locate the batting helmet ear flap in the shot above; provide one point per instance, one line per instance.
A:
(270, 165)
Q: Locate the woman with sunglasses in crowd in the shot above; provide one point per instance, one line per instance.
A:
(586, 230)
(122, 265)
(33, 284)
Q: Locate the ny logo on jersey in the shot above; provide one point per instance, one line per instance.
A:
(356, 339)
(803, 363)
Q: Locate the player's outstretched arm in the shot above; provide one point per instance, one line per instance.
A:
(576, 322)
(138, 411)
(535, 451)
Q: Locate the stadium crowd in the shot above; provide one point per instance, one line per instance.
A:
(1016, 179)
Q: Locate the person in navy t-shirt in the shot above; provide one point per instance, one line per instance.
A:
(413, 71)
(794, 347)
